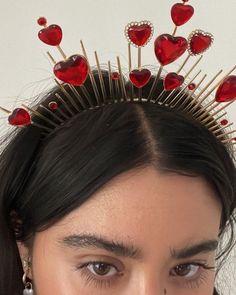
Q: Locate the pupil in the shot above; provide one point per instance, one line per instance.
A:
(101, 268)
(183, 269)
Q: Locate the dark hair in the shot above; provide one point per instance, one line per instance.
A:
(44, 180)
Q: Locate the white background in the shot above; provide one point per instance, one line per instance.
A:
(25, 69)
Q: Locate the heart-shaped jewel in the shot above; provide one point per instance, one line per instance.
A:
(173, 81)
(181, 13)
(51, 35)
(140, 77)
(199, 41)
(139, 33)
(168, 48)
(74, 70)
(19, 117)
(227, 90)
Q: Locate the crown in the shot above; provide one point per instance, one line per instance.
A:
(206, 104)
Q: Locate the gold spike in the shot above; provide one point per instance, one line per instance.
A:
(175, 30)
(61, 52)
(155, 82)
(64, 103)
(49, 111)
(216, 119)
(86, 94)
(139, 58)
(181, 92)
(227, 133)
(224, 107)
(222, 128)
(67, 95)
(229, 140)
(204, 89)
(185, 77)
(200, 114)
(192, 92)
(104, 94)
(129, 56)
(52, 59)
(110, 81)
(40, 115)
(5, 110)
(183, 64)
(80, 99)
(217, 85)
(41, 126)
(95, 89)
(122, 84)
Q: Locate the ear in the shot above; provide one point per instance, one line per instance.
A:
(25, 256)
(24, 252)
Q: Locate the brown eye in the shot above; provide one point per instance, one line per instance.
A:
(185, 269)
(102, 269)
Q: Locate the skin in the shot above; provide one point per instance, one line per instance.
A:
(151, 211)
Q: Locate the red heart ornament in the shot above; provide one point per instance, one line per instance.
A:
(74, 70)
(227, 90)
(173, 81)
(139, 34)
(140, 77)
(199, 41)
(181, 13)
(51, 35)
(168, 48)
(19, 117)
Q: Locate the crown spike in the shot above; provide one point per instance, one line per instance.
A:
(155, 82)
(64, 103)
(77, 95)
(224, 107)
(201, 113)
(104, 94)
(216, 119)
(41, 126)
(227, 133)
(181, 91)
(72, 112)
(122, 84)
(51, 113)
(91, 75)
(110, 81)
(61, 52)
(51, 58)
(183, 64)
(222, 128)
(40, 115)
(5, 110)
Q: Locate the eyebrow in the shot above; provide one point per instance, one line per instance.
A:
(128, 250)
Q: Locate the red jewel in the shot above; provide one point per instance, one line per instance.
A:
(53, 105)
(199, 41)
(168, 48)
(19, 117)
(140, 77)
(42, 21)
(51, 35)
(115, 76)
(173, 81)
(227, 90)
(191, 86)
(181, 13)
(74, 70)
(139, 33)
(224, 122)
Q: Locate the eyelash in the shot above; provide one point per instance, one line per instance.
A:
(106, 283)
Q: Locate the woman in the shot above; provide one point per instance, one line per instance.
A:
(129, 198)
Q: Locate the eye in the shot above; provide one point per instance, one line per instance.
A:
(102, 269)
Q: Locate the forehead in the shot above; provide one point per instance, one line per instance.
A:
(140, 204)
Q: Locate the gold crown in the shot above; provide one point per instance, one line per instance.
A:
(172, 90)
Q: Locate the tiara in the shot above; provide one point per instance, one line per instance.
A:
(179, 91)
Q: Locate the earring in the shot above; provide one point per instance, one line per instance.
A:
(28, 285)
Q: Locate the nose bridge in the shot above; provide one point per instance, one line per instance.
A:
(148, 283)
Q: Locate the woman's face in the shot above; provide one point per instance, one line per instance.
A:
(144, 233)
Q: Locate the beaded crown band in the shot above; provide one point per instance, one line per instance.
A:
(73, 72)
